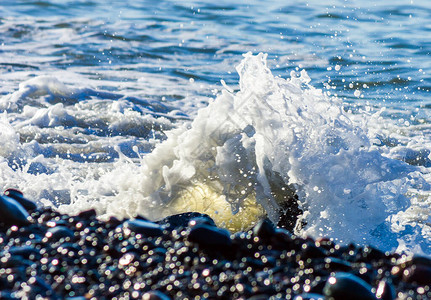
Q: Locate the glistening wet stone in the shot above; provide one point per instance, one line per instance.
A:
(182, 220)
(347, 286)
(209, 236)
(59, 232)
(19, 197)
(12, 213)
(385, 290)
(143, 227)
(56, 256)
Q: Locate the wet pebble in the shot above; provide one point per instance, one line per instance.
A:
(155, 295)
(143, 227)
(12, 213)
(418, 274)
(183, 219)
(87, 214)
(59, 232)
(19, 197)
(385, 291)
(309, 296)
(264, 229)
(210, 236)
(56, 256)
(347, 286)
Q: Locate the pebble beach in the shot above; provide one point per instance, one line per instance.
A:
(48, 255)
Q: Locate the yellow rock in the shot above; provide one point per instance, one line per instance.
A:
(202, 198)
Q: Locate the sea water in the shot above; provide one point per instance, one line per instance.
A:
(224, 107)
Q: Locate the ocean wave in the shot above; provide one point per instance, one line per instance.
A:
(274, 144)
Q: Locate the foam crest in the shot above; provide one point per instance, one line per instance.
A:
(9, 136)
(277, 137)
(273, 145)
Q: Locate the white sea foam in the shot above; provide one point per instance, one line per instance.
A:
(272, 128)
(286, 127)
(232, 161)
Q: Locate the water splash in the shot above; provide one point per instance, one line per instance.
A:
(272, 138)
(272, 145)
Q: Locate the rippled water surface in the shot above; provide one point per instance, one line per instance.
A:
(88, 90)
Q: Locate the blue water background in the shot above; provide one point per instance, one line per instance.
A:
(384, 47)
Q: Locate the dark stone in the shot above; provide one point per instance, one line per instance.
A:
(371, 254)
(41, 288)
(141, 217)
(282, 239)
(419, 274)
(87, 214)
(337, 264)
(12, 213)
(341, 251)
(317, 286)
(264, 229)
(155, 295)
(421, 260)
(309, 296)
(385, 291)
(6, 295)
(311, 251)
(146, 228)
(59, 232)
(202, 220)
(24, 251)
(182, 220)
(71, 246)
(259, 297)
(64, 257)
(113, 222)
(324, 243)
(19, 197)
(367, 273)
(14, 262)
(347, 286)
(206, 235)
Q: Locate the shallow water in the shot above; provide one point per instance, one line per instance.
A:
(92, 91)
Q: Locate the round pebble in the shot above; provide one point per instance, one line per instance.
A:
(347, 286)
(49, 255)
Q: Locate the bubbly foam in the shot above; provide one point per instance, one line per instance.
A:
(240, 159)
(275, 128)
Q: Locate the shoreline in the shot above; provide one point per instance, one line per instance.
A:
(57, 256)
